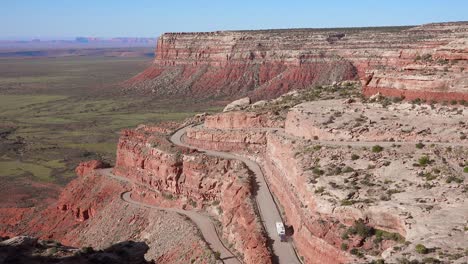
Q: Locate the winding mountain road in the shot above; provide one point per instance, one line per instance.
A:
(203, 222)
(269, 212)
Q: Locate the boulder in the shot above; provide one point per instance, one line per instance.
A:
(238, 104)
(86, 167)
(19, 241)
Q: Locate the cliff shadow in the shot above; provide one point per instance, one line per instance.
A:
(29, 250)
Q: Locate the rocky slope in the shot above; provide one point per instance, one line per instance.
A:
(89, 212)
(427, 62)
(170, 176)
(23, 249)
(359, 184)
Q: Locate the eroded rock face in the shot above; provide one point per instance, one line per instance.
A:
(241, 119)
(174, 177)
(89, 166)
(90, 212)
(334, 121)
(427, 62)
(236, 140)
(243, 102)
(327, 176)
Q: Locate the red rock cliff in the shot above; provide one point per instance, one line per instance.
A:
(426, 62)
(163, 174)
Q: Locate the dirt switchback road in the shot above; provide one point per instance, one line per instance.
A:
(269, 212)
(203, 222)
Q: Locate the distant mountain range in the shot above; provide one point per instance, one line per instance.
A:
(78, 42)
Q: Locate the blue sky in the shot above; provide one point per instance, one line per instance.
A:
(146, 18)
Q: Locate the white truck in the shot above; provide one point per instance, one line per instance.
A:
(281, 231)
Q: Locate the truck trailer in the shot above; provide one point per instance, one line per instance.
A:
(281, 231)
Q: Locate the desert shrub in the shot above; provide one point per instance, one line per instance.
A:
(334, 170)
(377, 148)
(429, 176)
(384, 235)
(193, 203)
(320, 189)
(384, 197)
(356, 252)
(168, 196)
(344, 246)
(393, 191)
(465, 170)
(452, 178)
(346, 202)
(217, 255)
(421, 249)
(317, 171)
(354, 156)
(87, 250)
(361, 229)
(423, 160)
(419, 145)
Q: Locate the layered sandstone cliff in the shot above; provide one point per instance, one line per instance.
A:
(340, 165)
(90, 213)
(427, 62)
(170, 176)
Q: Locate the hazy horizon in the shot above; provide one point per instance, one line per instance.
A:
(53, 20)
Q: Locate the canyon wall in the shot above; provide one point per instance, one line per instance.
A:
(318, 224)
(427, 62)
(89, 212)
(173, 177)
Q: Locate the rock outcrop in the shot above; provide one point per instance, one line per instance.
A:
(237, 104)
(427, 62)
(170, 176)
(24, 249)
(89, 166)
(90, 212)
(331, 179)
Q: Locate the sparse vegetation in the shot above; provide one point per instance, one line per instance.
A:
(423, 160)
(421, 249)
(168, 196)
(347, 202)
(356, 252)
(344, 246)
(377, 148)
(455, 179)
(320, 189)
(87, 250)
(384, 235)
(317, 171)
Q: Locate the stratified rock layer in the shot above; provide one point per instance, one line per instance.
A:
(427, 62)
(175, 177)
(327, 174)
